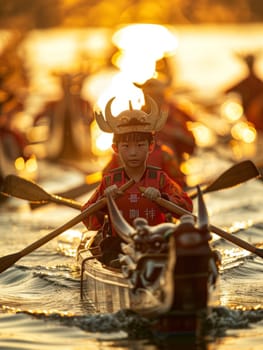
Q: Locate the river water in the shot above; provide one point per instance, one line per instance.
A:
(39, 296)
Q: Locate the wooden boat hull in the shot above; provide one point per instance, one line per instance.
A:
(105, 288)
(167, 270)
(108, 291)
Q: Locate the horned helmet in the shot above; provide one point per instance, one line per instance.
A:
(132, 120)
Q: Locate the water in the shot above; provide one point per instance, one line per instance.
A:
(40, 303)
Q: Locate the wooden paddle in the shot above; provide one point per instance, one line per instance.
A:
(233, 176)
(172, 207)
(25, 189)
(91, 182)
(19, 187)
(9, 260)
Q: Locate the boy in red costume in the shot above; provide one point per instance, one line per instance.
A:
(133, 141)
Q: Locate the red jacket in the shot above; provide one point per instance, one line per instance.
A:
(132, 204)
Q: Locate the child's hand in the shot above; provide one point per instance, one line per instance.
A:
(152, 193)
(112, 191)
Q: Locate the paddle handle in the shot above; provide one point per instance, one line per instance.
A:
(234, 239)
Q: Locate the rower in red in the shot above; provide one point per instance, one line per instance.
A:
(133, 141)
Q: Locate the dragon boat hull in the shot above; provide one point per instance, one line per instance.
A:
(107, 290)
(166, 272)
(104, 287)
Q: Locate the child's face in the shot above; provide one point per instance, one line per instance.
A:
(133, 154)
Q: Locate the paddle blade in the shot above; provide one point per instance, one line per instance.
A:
(238, 173)
(8, 260)
(235, 175)
(24, 189)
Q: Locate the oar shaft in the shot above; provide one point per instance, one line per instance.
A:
(9, 260)
(88, 211)
(66, 201)
(234, 239)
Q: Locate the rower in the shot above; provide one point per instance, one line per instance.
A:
(133, 140)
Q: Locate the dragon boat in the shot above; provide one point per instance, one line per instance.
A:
(166, 273)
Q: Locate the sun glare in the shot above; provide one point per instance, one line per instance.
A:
(152, 39)
(204, 137)
(232, 109)
(244, 132)
(101, 141)
(140, 46)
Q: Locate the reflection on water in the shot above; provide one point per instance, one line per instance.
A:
(23, 332)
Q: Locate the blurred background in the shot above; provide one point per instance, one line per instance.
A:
(60, 59)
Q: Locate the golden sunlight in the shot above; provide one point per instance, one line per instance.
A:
(69, 241)
(52, 51)
(94, 177)
(192, 169)
(27, 168)
(244, 132)
(204, 136)
(141, 45)
(241, 149)
(20, 163)
(135, 67)
(240, 225)
(124, 90)
(31, 164)
(232, 109)
(152, 39)
(101, 141)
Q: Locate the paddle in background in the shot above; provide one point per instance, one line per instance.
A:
(19, 187)
(235, 175)
(22, 188)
